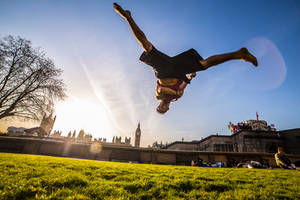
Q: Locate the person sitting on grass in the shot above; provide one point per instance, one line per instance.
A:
(171, 71)
(282, 160)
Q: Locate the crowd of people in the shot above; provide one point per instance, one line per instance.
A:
(246, 126)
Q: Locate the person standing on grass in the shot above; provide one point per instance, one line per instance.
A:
(171, 71)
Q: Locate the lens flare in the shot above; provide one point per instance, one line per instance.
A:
(77, 113)
(96, 147)
(271, 71)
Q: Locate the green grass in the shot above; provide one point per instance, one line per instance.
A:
(43, 177)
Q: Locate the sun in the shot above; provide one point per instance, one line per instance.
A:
(77, 114)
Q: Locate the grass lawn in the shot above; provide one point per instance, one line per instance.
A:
(44, 177)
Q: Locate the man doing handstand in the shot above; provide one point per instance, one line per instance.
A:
(171, 71)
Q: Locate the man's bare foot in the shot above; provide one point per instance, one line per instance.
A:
(123, 13)
(248, 57)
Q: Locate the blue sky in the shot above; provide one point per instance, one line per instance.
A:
(110, 90)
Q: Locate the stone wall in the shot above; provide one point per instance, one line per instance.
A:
(126, 154)
(291, 142)
(257, 141)
(210, 143)
(184, 146)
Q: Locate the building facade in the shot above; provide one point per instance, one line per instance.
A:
(256, 139)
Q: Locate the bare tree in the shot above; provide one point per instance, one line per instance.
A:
(29, 81)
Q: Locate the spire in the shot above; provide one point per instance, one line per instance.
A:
(137, 136)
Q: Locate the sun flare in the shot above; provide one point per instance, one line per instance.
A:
(75, 114)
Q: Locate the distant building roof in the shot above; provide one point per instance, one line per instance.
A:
(40, 131)
(229, 136)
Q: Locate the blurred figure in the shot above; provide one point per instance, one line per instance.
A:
(282, 160)
(193, 163)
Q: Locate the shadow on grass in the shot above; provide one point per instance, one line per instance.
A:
(93, 168)
(217, 188)
(56, 165)
(69, 182)
(204, 179)
(134, 188)
(108, 176)
(25, 193)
